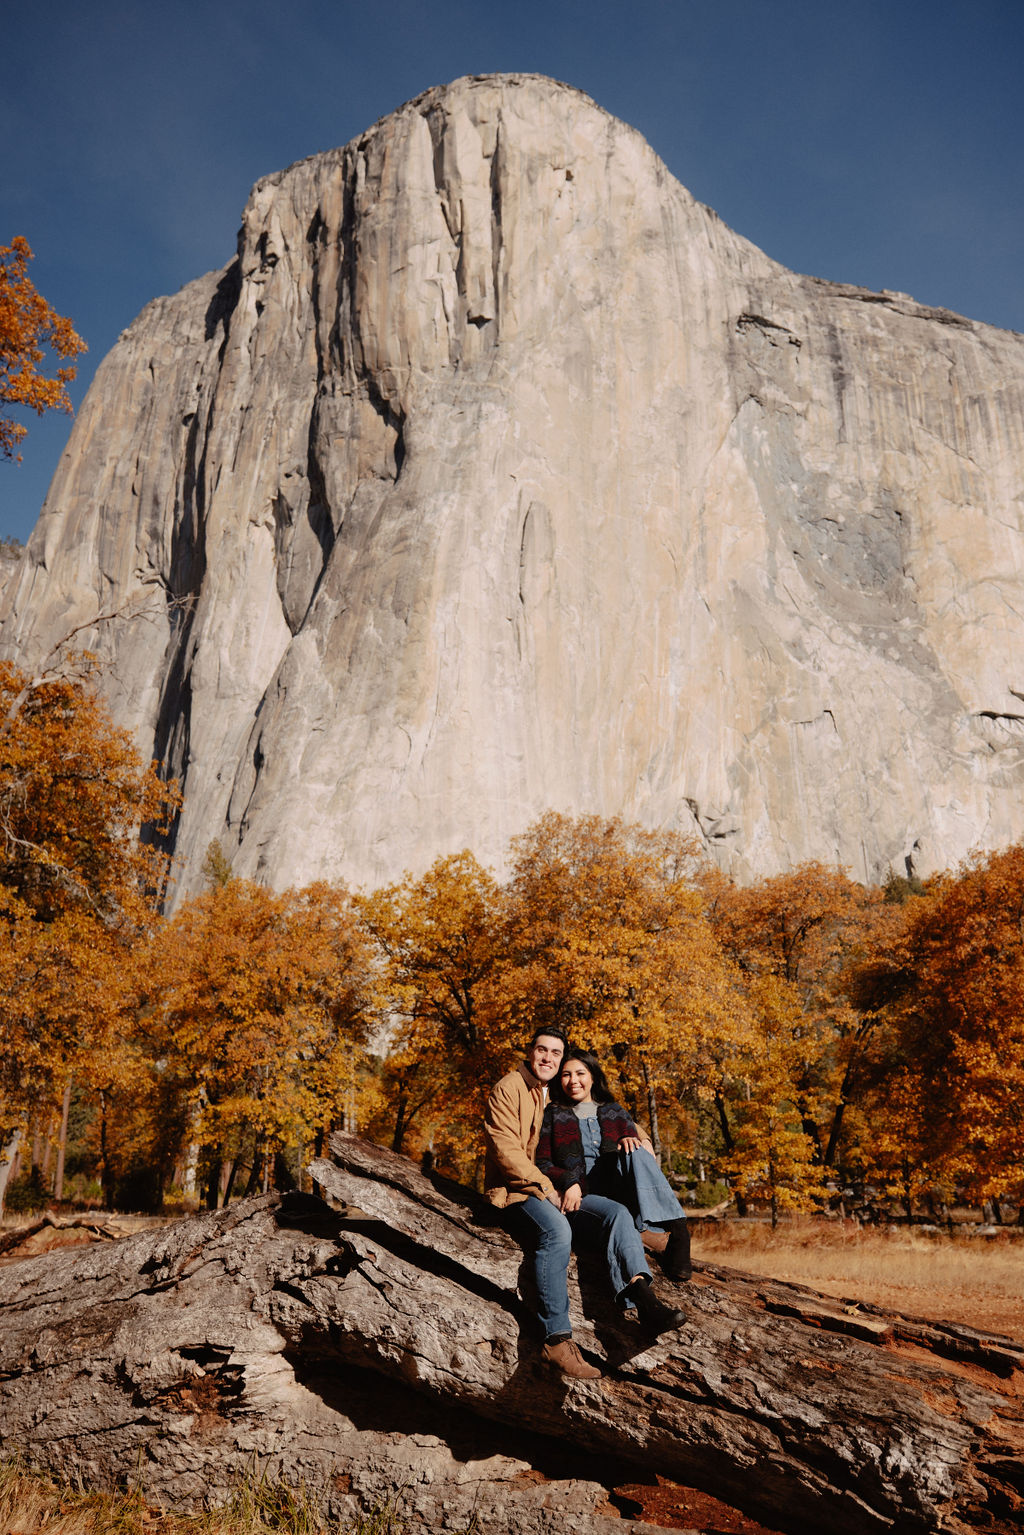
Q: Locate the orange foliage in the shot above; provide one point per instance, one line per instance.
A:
(77, 887)
(824, 1025)
(954, 1046)
(256, 1012)
(441, 942)
(808, 930)
(74, 795)
(28, 326)
(771, 1157)
(608, 940)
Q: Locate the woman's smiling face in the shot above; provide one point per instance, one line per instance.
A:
(576, 1081)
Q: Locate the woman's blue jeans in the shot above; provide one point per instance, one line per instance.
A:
(598, 1224)
(635, 1179)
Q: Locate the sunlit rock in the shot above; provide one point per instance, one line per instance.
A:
(498, 475)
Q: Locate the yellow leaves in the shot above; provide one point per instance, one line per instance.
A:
(260, 997)
(954, 1016)
(76, 887)
(28, 327)
(74, 794)
(770, 1012)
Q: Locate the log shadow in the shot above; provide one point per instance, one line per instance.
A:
(616, 1328)
(374, 1403)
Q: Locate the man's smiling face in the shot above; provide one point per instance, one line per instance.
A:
(545, 1057)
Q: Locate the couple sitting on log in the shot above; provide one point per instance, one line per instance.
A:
(570, 1166)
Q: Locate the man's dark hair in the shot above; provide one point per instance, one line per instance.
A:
(549, 1033)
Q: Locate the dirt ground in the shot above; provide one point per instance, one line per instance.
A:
(684, 1509)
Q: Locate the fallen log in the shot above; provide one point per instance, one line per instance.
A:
(51, 1231)
(384, 1345)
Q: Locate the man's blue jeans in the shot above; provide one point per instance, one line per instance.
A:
(599, 1223)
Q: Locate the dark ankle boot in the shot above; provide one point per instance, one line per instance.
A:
(675, 1260)
(654, 1315)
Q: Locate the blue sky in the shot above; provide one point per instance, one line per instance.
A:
(872, 141)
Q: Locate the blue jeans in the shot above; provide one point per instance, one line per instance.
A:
(598, 1223)
(635, 1179)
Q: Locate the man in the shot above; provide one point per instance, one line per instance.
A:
(532, 1208)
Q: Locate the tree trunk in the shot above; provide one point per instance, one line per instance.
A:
(190, 1176)
(315, 1339)
(105, 1180)
(729, 1143)
(47, 1152)
(652, 1110)
(398, 1138)
(225, 1180)
(255, 1173)
(62, 1142)
(212, 1187)
(8, 1153)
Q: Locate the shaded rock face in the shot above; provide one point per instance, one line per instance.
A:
(10, 555)
(497, 475)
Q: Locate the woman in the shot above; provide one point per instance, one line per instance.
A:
(589, 1145)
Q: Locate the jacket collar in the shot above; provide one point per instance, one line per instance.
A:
(532, 1082)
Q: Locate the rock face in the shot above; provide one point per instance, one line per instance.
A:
(497, 475)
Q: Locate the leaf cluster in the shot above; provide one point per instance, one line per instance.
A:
(29, 328)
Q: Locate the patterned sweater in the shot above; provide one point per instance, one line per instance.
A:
(559, 1151)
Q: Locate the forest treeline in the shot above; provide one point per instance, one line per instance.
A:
(793, 1038)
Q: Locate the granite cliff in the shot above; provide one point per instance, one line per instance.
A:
(496, 474)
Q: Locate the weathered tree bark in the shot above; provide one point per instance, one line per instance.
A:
(8, 1156)
(62, 1144)
(313, 1339)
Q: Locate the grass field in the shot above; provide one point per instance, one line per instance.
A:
(975, 1280)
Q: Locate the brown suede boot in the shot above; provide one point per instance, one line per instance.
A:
(562, 1354)
(654, 1241)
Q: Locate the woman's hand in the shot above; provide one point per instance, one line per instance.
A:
(631, 1143)
(571, 1198)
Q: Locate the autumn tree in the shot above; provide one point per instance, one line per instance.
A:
(952, 1055)
(77, 884)
(607, 939)
(770, 1158)
(808, 930)
(29, 327)
(441, 942)
(256, 1022)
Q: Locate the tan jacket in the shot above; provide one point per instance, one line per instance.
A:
(511, 1130)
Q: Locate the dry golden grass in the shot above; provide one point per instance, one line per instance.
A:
(33, 1504)
(973, 1280)
(30, 1503)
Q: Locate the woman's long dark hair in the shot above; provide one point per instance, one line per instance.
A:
(600, 1091)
